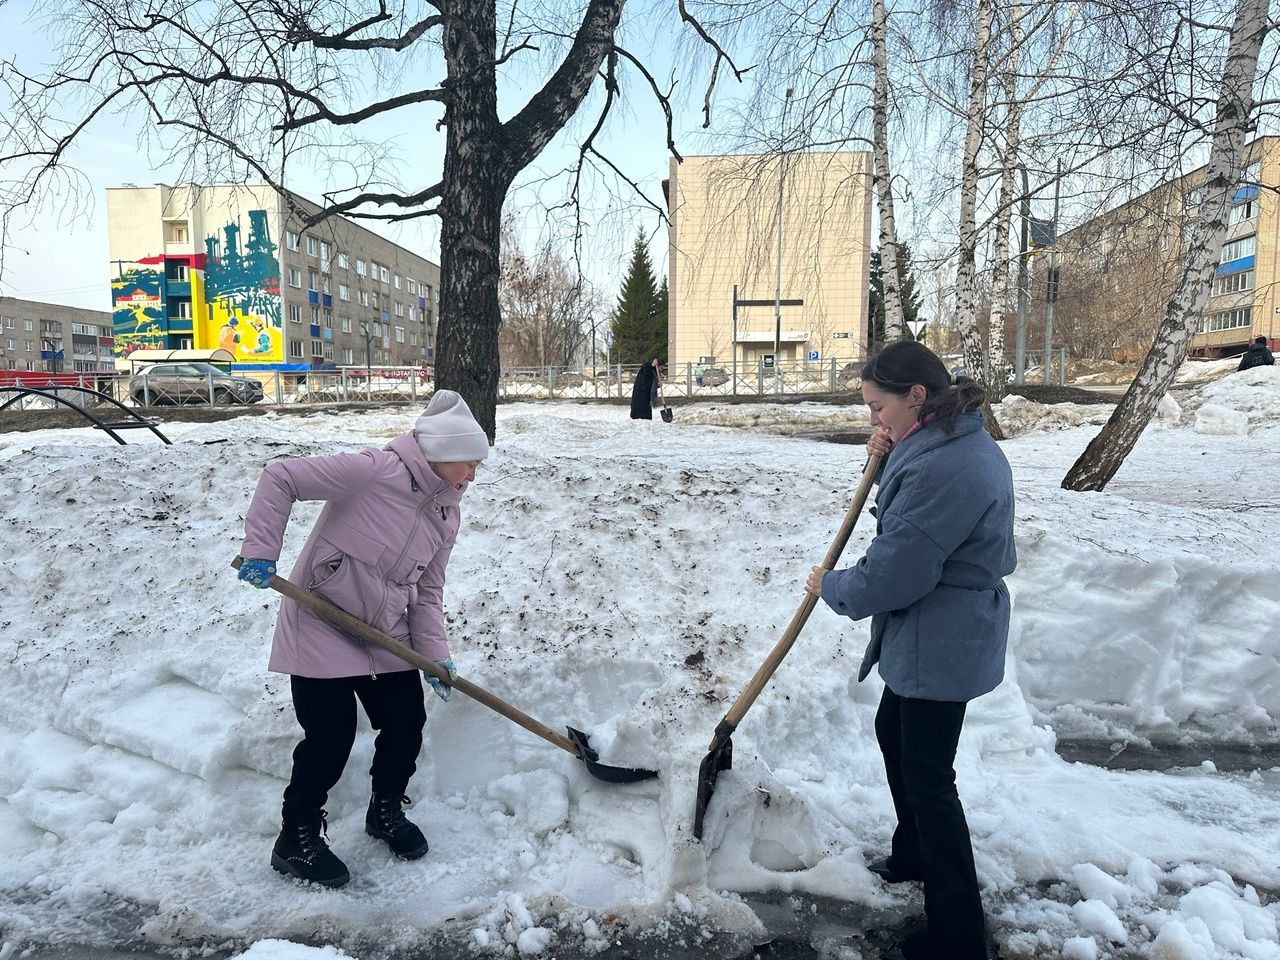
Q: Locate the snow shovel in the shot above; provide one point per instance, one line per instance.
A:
(576, 743)
(720, 753)
(665, 412)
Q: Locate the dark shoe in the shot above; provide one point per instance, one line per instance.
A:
(888, 874)
(386, 821)
(921, 946)
(301, 852)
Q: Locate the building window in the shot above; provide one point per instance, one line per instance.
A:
(84, 329)
(1239, 249)
(413, 314)
(312, 277)
(1228, 320)
(295, 277)
(360, 268)
(399, 334)
(324, 285)
(399, 309)
(410, 287)
(343, 262)
(317, 348)
(348, 355)
(8, 344)
(363, 297)
(395, 280)
(295, 349)
(386, 274)
(26, 325)
(1233, 283)
(1242, 211)
(295, 313)
(344, 292)
(345, 323)
(291, 240)
(176, 231)
(313, 247)
(328, 350)
(375, 299)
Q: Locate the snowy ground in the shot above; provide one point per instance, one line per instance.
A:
(143, 747)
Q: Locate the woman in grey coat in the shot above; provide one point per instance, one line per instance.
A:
(932, 582)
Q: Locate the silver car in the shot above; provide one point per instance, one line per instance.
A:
(191, 383)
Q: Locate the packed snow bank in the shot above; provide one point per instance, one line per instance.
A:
(1019, 416)
(626, 578)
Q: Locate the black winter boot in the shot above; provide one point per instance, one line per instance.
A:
(386, 821)
(301, 852)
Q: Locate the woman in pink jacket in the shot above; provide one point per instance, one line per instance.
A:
(379, 551)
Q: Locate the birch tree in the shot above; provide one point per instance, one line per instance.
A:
(894, 322)
(1235, 105)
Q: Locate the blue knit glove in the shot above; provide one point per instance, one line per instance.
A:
(258, 572)
(440, 689)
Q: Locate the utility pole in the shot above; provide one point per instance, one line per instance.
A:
(1051, 286)
(1020, 336)
(777, 284)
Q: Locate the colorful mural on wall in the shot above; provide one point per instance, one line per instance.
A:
(226, 297)
(137, 298)
(237, 301)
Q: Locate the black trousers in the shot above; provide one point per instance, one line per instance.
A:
(918, 739)
(326, 709)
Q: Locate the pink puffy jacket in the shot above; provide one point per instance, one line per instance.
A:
(378, 551)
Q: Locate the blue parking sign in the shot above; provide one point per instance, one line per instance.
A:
(813, 355)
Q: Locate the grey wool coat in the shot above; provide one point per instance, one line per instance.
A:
(932, 580)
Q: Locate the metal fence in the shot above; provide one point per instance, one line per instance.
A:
(412, 385)
(687, 380)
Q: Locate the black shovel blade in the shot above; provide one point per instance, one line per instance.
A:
(720, 757)
(602, 771)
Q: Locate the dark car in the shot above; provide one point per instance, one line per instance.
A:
(851, 371)
(714, 376)
(191, 383)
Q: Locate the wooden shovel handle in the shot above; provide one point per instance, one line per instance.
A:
(801, 616)
(345, 622)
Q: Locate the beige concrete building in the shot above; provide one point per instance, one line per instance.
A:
(230, 266)
(1120, 268)
(725, 228)
(48, 338)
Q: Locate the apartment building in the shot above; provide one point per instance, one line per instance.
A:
(232, 266)
(1120, 268)
(748, 231)
(49, 338)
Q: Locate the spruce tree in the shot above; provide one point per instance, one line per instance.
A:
(875, 298)
(660, 322)
(635, 320)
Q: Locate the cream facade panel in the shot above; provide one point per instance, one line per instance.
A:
(725, 231)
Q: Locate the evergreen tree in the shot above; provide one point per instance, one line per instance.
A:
(875, 299)
(636, 338)
(660, 329)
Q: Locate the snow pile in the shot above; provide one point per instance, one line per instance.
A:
(1255, 392)
(1019, 416)
(1218, 421)
(1194, 370)
(626, 578)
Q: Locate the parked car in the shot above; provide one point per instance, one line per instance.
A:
(190, 383)
(851, 371)
(714, 376)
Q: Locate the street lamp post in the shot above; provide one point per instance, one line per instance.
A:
(777, 281)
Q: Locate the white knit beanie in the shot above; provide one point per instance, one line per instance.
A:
(448, 433)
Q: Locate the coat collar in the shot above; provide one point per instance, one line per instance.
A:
(406, 448)
(931, 437)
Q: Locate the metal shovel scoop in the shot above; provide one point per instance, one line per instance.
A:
(575, 743)
(720, 754)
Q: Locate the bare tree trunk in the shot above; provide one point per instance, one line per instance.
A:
(997, 376)
(1107, 451)
(474, 186)
(966, 296)
(894, 322)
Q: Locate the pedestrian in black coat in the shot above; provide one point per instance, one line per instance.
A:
(644, 394)
(1256, 356)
